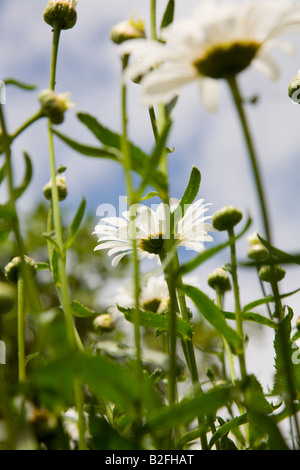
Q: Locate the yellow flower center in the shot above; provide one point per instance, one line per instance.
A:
(225, 60)
(152, 244)
(151, 305)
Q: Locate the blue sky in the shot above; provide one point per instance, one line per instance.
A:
(89, 68)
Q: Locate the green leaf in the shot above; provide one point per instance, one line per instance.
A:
(254, 317)
(168, 15)
(3, 173)
(81, 311)
(17, 83)
(188, 410)
(156, 320)
(266, 300)
(155, 157)
(75, 224)
(287, 377)
(207, 254)
(54, 268)
(104, 378)
(48, 237)
(42, 266)
(113, 140)
(27, 178)
(87, 150)
(281, 255)
(149, 195)
(189, 195)
(227, 427)
(214, 316)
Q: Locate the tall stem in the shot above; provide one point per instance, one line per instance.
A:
(132, 200)
(64, 291)
(21, 329)
(238, 310)
(259, 187)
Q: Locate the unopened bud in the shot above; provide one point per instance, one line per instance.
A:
(54, 105)
(258, 252)
(61, 13)
(294, 89)
(61, 188)
(103, 322)
(14, 267)
(7, 297)
(131, 29)
(219, 280)
(226, 218)
(267, 274)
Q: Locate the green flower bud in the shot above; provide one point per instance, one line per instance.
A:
(219, 280)
(54, 105)
(61, 12)
(12, 269)
(258, 252)
(103, 322)
(294, 89)
(265, 273)
(7, 297)
(61, 187)
(131, 29)
(226, 218)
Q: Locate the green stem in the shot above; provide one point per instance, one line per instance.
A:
(132, 200)
(64, 291)
(21, 330)
(238, 310)
(259, 187)
(26, 124)
(226, 345)
(153, 20)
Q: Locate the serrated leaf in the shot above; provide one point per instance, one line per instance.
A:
(81, 311)
(156, 320)
(214, 316)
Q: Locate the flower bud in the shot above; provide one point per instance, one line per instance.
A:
(54, 105)
(219, 280)
(131, 29)
(7, 297)
(61, 187)
(258, 252)
(12, 269)
(294, 89)
(103, 322)
(226, 218)
(265, 273)
(61, 12)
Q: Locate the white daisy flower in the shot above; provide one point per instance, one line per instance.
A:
(218, 41)
(151, 228)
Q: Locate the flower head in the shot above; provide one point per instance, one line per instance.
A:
(61, 12)
(218, 41)
(151, 228)
(54, 105)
